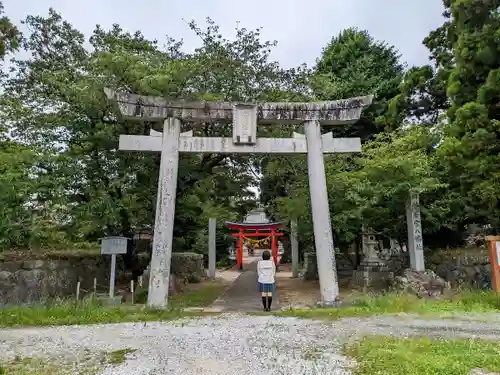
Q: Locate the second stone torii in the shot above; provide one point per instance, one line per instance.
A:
(244, 119)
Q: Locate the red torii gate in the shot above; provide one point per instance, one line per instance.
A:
(260, 230)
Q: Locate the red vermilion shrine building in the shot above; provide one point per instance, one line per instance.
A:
(252, 228)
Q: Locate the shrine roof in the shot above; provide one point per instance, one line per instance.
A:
(233, 225)
(150, 108)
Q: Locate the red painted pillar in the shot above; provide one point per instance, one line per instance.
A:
(240, 250)
(274, 247)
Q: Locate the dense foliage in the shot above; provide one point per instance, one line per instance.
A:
(432, 129)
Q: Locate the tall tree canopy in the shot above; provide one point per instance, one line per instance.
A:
(432, 129)
(471, 147)
(54, 102)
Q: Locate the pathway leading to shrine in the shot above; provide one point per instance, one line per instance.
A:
(243, 295)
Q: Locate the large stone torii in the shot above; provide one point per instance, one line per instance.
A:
(244, 118)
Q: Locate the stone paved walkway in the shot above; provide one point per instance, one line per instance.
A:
(243, 295)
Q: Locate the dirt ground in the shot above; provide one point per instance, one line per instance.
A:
(298, 293)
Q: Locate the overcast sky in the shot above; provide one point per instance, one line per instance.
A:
(302, 28)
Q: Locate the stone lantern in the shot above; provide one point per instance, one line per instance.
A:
(372, 271)
(370, 256)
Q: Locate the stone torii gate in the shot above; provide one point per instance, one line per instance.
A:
(244, 119)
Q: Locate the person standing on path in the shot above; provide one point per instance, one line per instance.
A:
(266, 270)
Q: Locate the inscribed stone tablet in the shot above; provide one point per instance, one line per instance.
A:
(244, 124)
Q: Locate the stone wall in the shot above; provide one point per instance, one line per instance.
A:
(28, 281)
(346, 264)
(187, 268)
(462, 268)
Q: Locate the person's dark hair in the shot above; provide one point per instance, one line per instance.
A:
(266, 255)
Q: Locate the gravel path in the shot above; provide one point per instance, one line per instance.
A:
(227, 344)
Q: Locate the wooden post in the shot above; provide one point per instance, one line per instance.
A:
(78, 291)
(132, 290)
(112, 276)
(240, 250)
(295, 248)
(494, 248)
(274, 247)
(95, 287)
(211, 247)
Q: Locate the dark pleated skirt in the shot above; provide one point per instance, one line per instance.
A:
(267, 288)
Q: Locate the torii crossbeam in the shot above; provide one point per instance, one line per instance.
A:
(244, 119)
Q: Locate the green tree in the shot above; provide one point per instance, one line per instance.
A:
(352, 64)
(355, 64)
(10, 36)
(470, 149)
(54, 102)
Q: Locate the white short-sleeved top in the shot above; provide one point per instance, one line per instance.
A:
(266, 271)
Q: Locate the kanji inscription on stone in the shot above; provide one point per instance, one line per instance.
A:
(245, 124)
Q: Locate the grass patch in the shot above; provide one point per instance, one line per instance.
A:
(312, 353)
(117, 357)
(195, 295)
(28, 366)
(423, 356)
(84, 312)
(88, 365)
(479, 301)
(90, 311)
(200, 297)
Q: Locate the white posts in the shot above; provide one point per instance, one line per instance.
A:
(295, 248)
(132, 291)
(323, 236)
(112, 276)
(211, 247)
(415, 241)
(165, 213)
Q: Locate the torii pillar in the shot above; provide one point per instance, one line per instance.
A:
(244, 118)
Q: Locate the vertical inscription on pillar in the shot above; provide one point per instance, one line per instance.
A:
(417, 224)
(244, 124)
(164, 221)
(415, 238)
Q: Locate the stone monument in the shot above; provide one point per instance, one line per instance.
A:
(415, 240)
(244, 118)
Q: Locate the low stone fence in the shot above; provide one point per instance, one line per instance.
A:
(462, 268)
(34, 280)
(188, 267)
